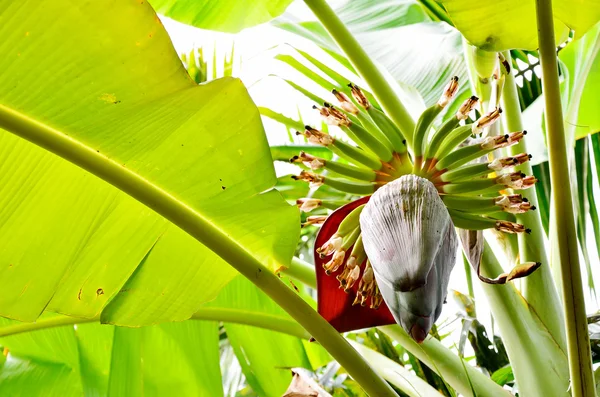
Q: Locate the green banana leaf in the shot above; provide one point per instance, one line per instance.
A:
(507, 24)
(106, 77)
(101, 360)
(223, 15)
(387, 31)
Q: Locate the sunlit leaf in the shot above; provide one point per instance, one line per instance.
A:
(100, 360)
(226, 16)
(107, 76)
(485, 23)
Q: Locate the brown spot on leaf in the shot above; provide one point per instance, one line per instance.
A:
(99, 292)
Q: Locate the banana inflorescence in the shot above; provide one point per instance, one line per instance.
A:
(476, 189)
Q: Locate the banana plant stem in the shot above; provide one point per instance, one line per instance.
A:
(578, 341)
(468, 275)
(204, 231)
(538, 288)
(365, 67)
(226, 315)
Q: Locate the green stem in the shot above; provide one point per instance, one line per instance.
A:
(396, 374)
(288, 122)
(226, 315)
(578, 341)
(365, 67)
(203, 230)
(447, 365)
(469, 276)
(538, 288)
(302, 271)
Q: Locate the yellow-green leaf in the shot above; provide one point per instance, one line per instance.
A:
(103, 74)
(507, 24)
(222, 15)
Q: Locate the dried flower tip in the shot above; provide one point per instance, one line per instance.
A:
(519, 208)
(486, 120)
(521, 158)
(345, 102)
(449, 92)
(466, 108)
(510, 200)
(511, 227)
(502, 163)
(359, 96)
(317, 137)
(376, 298)
(528, 182)
(336, 261)
(504, 62)
(315, 220)
(308, 204)
(513, 180)
(314, 163)
(513, 204)
(366, 286)
(323, 111)
(350, 274)
(516, 137)
(516, 199)
(314, 179)
(334, 116)
(332, 245)
(494, 142)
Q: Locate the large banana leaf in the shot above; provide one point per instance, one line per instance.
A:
(104, 74)
(507, 24)
(223, 15)
(400, 36)
(100, 360)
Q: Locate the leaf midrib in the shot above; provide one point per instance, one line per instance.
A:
(134, 185)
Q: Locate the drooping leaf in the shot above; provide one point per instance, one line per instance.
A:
(225, 16)
(484, 23)
(106, 76)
